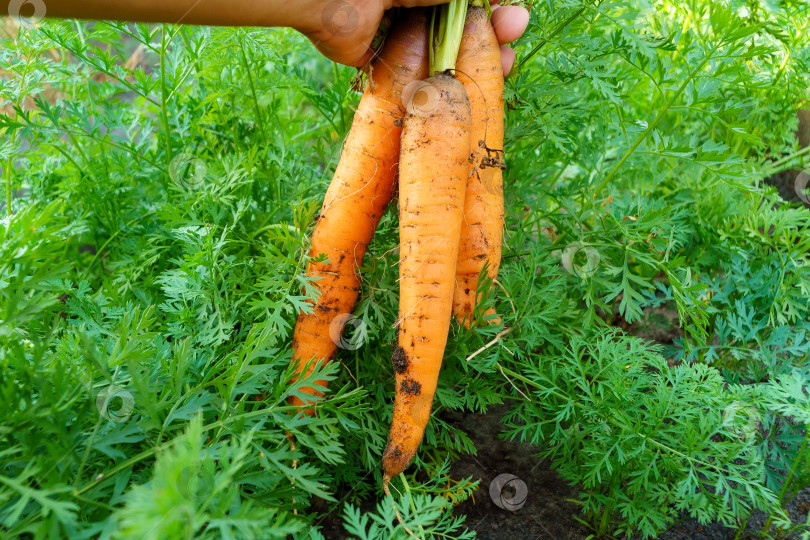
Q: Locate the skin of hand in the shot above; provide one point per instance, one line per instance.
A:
(345, 28)
(341, 29)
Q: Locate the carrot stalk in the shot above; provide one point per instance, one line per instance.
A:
(359, 193)
(433, 172)
(479, 70)
(446, 35)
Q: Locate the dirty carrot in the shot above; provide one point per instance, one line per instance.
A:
(479, 69)
(433, 174)
(359, 193)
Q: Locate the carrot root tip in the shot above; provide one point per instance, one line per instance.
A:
(386, 481)
(387, 490)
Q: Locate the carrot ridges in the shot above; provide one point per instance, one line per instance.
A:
(359, 192)
(434, 166)
(479, 70)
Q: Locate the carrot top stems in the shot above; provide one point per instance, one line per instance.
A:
(447, 38)
(446, 29)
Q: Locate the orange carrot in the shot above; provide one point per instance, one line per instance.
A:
(359, 192)
(433, 172)
(479, 69)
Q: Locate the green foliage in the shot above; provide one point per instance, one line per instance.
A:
(415, 513)
(651, 125)
(156, 220)
(645, 441)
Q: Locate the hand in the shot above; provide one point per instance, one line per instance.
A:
(344, 28)
(509, 23)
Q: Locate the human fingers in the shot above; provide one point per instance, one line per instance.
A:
(507, 59)
(509, 22)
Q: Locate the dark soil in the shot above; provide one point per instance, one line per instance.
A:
(549, 511)
(785, 183)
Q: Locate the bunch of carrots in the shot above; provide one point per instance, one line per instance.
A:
(440, 139)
